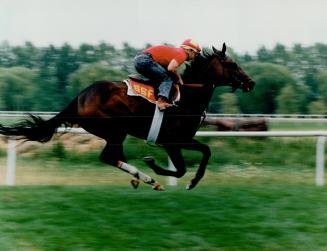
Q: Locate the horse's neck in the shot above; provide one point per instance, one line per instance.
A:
(197, 96)
(200, 73)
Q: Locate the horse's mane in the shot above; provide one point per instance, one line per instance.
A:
(194, 69)
(207, 53)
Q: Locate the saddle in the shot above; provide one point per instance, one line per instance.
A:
(138, 85)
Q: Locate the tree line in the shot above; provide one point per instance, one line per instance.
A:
(288, 80)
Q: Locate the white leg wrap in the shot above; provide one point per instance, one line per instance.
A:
(144, 177)
(135, 172)
(129, 168)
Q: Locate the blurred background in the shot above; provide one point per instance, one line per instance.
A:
(49, 51)
(257, 194)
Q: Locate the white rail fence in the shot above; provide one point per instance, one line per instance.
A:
(320, 148)
(274, 118)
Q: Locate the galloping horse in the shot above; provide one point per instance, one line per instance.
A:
(105, 110)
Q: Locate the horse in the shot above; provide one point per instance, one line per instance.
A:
(104, 109)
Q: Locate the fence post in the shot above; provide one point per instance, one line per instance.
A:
(320, 160)
(11, 162)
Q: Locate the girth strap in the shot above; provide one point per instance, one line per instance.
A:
(155, 125)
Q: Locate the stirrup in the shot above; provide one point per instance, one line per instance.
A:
(165, 105)
(165, 108)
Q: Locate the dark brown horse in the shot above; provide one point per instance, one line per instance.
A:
(105, 110)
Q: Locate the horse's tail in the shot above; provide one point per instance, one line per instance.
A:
(37, 129)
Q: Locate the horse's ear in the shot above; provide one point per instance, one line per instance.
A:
(224, 49)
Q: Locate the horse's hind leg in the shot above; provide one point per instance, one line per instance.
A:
(113, 155)
(139, 175)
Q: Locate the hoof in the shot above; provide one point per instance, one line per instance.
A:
(135, 183)
(158, 187)
(190, 186)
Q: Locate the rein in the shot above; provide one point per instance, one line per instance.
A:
(193, 86)
(203, 117)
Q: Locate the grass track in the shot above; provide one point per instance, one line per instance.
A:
(256, 195)
(221, 217)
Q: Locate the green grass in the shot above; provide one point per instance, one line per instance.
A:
(220, 217)
(283, 160)
(274, 157)
(293, 126)
(257, 194)
(262, 152)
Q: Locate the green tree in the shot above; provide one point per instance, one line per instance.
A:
(88, 54)
(55, 67)
(270, 79)
(280, 55)
(127, 55)
(310, 79)
(105, 51)
(317, 107)
(292, 99)
(66, 64)
(17, 89)
(264, 55)
(228, 103)
(299, 61)
(6, 55)
(48, 97)
(26, 56)
(322, 85)
(88, 74)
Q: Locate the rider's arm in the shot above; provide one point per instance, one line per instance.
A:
(172, 67)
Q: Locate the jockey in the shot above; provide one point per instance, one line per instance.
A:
(158, 62)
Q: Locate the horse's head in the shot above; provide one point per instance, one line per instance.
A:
(215, 67)
(229, 71)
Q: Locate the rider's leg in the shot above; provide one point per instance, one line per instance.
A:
(146, 66)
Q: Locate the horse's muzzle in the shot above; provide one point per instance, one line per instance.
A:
(248, 86)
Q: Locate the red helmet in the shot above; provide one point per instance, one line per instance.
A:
(192, 45)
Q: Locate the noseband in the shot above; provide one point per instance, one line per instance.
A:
(236, 82)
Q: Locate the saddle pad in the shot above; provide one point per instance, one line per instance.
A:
(138, 89)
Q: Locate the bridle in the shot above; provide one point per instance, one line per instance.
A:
(203, 71)
(233, 72)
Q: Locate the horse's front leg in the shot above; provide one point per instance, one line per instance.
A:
(175, 154)
(195, 145)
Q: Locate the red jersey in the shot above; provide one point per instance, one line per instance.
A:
(163, 54)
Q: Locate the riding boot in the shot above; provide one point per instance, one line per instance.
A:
(163, 103)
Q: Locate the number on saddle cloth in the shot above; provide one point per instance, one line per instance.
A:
(139, 85)
(136, 87)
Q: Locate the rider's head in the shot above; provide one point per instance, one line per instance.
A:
(191, 47)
